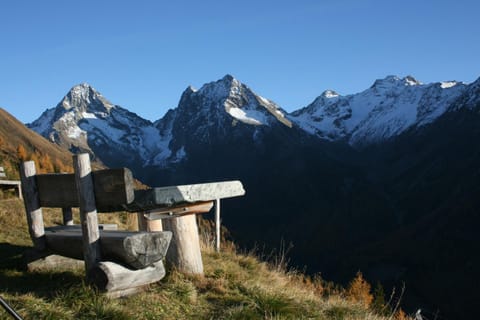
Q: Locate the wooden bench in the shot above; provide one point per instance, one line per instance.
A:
(10, 184)
(118, 262)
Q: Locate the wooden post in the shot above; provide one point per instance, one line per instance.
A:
(88, 212)
(184, 251)
(19, 191)
(67, 216)
(217, 225)
(148, 225)
(32, 205)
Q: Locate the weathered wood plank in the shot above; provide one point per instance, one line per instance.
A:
(119, 281)
(88, 212)
(113, 189)
(175, 195)
(176, 211)
(184, 251)
(10, 182)
(32, 205)
(135, 249)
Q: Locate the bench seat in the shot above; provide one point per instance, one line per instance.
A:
(136, 250)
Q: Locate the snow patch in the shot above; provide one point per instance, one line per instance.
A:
(263, 100)
(247, 116)
(88, 115)
(104, 128)
(329, 94)
(75, 132)
(448, 84)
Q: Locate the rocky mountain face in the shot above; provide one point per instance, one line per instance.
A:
(85, 121)
(219, 110)
(384, 181)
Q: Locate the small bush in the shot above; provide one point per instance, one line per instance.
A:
(359, 290)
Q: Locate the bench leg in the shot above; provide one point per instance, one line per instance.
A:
(184, 251)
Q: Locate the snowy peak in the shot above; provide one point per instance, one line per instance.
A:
(389, 107)
(81, 102)
(84, 98)
(391, 82)
(411, 81)
(229, 97)
(329, 94)
(84, 120)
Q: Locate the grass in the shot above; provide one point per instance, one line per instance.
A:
(235, 286)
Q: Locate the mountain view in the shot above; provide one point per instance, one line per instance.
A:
(384, 181)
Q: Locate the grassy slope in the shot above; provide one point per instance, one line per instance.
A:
(235, 286)
(14, 133)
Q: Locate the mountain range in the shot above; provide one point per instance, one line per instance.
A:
(385, 180)
(85, 120)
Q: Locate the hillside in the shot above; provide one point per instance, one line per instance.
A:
(17, 143)
(13, 134)
(235, 286)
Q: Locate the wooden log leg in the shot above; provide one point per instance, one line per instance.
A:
(142, 225)
(184, 251)
(67, 216)
(32, 205)
(19, 192)
(88, 212)
(120, 281)
(148, 225)
(217, 225)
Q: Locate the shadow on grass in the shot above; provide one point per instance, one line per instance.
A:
(15, 279)
(11, 256)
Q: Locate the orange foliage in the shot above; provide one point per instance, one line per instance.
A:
(401, 315)
(22, 153)
(59, 167)
(45, 163)
(359, 290)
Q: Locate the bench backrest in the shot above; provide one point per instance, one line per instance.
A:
(2, 173)
(114, 189)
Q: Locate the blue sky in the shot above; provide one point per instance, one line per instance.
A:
(143, 54)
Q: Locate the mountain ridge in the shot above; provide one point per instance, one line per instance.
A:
(386, 109)
(85, 120)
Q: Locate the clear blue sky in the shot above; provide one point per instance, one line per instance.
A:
(143, 54)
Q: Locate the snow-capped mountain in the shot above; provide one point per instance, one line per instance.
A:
(85, 120)
(216, 111)
(388, 108)
(226, 110)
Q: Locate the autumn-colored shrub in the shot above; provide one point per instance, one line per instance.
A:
(359, 290)
(22, 153)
